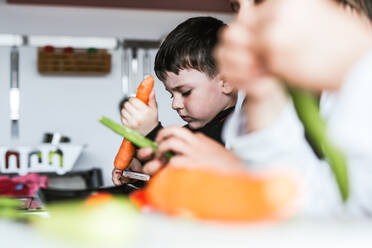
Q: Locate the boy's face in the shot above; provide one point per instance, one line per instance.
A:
(196, 97)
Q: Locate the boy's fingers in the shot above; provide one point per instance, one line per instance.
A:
(125, 114)
(236, 35)
(138, 104)
(181, 161)
(152, 101)
(234, 63)
(174, 145)
(135, 165)
(145, 154)
(130, 120)
(235, 55)
(174, 131)
(130, 108)
(125, 122)
(152, 167)
(116, 180)
(116, 175)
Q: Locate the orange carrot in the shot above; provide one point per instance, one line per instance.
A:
(222, 196)
(145, 88)
(127, 150)
(125, 155)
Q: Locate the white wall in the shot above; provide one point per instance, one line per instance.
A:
(71, 105)
(28, 19)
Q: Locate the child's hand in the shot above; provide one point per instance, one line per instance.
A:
(139, 116)
(153, 164)
(117, 175)
(191, 150)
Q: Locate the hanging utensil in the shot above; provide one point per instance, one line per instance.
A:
(146, 63)
(131, 63)
(125, 67)
(14, 92)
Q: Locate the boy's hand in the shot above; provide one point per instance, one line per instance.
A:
(139, 116)
(153, 164)
(191, 150)
(117, 175)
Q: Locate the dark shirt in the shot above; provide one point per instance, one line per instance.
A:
(212, 129)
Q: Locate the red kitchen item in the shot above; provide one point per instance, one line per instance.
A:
(22, 185)
(7, 157)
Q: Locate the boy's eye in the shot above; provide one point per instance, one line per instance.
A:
(187, 93)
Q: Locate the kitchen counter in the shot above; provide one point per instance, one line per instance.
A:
(161, 231)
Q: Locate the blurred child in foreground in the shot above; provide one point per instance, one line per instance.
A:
(324, 49)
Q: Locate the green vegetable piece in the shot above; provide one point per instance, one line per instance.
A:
(108, 224)
(308, 112)
(8, 208)
(131, 135)
(7, 202)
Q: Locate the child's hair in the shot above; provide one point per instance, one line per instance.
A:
(363, 6)
(189, 46)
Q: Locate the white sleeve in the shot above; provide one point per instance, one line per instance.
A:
(350, 126)
(274, 143)
(283, 146)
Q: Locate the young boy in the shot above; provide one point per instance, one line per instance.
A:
(186, 66)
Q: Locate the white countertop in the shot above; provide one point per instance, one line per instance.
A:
(161, 231)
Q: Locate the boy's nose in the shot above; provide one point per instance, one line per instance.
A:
(177, 103)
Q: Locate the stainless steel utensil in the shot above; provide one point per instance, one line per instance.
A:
(14, 92)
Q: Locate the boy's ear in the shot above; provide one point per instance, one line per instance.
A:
(226, 87)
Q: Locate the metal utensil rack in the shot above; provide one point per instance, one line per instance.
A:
(129, 61)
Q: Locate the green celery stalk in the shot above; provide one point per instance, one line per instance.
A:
(131, 135)
(308, 112)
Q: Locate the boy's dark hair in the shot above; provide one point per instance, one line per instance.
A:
(189, 46)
